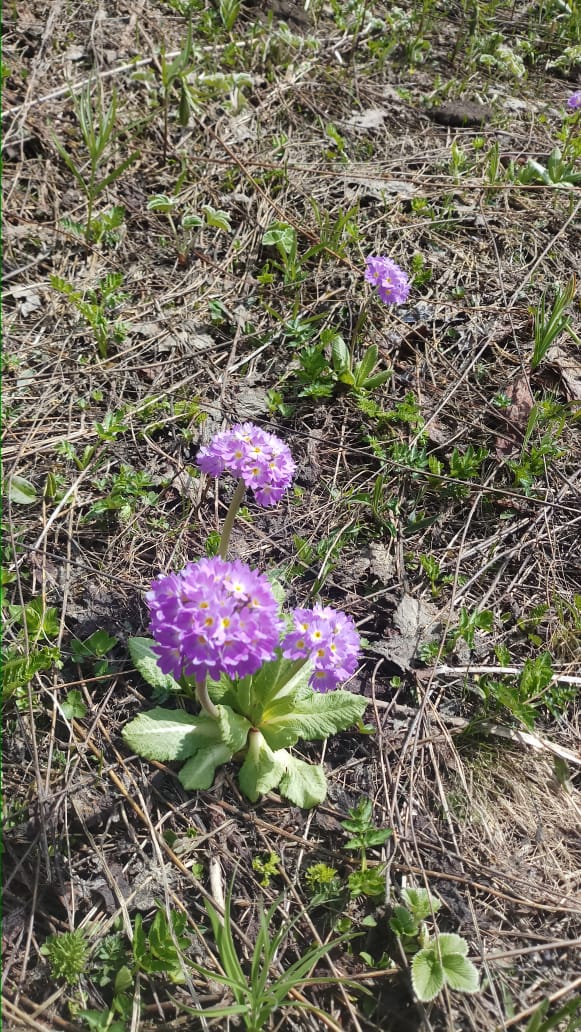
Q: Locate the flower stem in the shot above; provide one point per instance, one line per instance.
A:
(230, 517)
(205, 700)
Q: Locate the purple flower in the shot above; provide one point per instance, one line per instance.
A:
(330, 639)
(574, 101)
(213, 618)
(260, 459)
(392, 284)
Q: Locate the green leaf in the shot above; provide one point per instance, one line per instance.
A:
(200, 770)
(450, 943)
(402, 922)
(367, 364)
(216, 217)
(233, 728)
(303, 783)
(420, 902)
(192, 222)
(21, 491)
(145, 659)
(427, 974)
(315, 716)
(262, 769)
(170, 734)
(74, 705)
(460, 973)
(340, 356)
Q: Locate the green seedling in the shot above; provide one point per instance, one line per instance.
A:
(33, 628)
(93, 650)
(364, 835)
(229, 11)
(96, 307)
(358, 376)
(439, 961)
(268, 867)
(283, 237)
(549, 323)
(97, 124)
(258, 992)
(68, 955)
(557, 171)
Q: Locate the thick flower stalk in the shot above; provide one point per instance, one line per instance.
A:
(330, 639)
(213, 618)
(392, 283)
(255, 456)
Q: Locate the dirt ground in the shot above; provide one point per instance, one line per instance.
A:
(361, 141)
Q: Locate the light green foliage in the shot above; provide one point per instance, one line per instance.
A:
(443, 962)
(229, 11)
(33, 627)
(127, 491)
(93, 650)
(268, 867)
(436, 961)
(20, 491)
(557, 171)
(67, 955)
(550, 323)
(96, 123)
(323, 883)
(283, 238)
(160, 948)
(364, 835)
(97, 307)
(259, 995)
(261, 716)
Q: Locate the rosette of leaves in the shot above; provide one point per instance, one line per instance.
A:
(259, 719)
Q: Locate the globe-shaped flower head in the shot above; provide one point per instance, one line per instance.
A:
(255, 456)
(213, 618)
(330, 639)
(393, 286)
(574, 101)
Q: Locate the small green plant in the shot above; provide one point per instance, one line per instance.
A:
(550, 323)
(96, 308)
(438, 961)
(364, 835)
(556, 171)
(33, 628)
(68, 955)
(229, 11)
(267, 867)
(283, 237)
(92, 650)
(358, 376)
(258, 994)
(96, 123)
(212, 217)
(160, 947)
(323, 883)
(127, 491)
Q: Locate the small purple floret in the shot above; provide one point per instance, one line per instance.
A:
(260, 459)
(329, 637)
(393, 286)
(574, 101)
(213, 618)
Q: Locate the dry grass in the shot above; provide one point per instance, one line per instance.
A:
(94, 836)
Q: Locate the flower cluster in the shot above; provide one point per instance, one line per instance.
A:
(392, 284)
(330, 639)
(213, 618)
(260, 459)
(574, 101)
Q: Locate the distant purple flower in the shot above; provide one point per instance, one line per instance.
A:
(260, 459)
(574, 101)
(393, 286)
(212, 618)
(330, 639)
